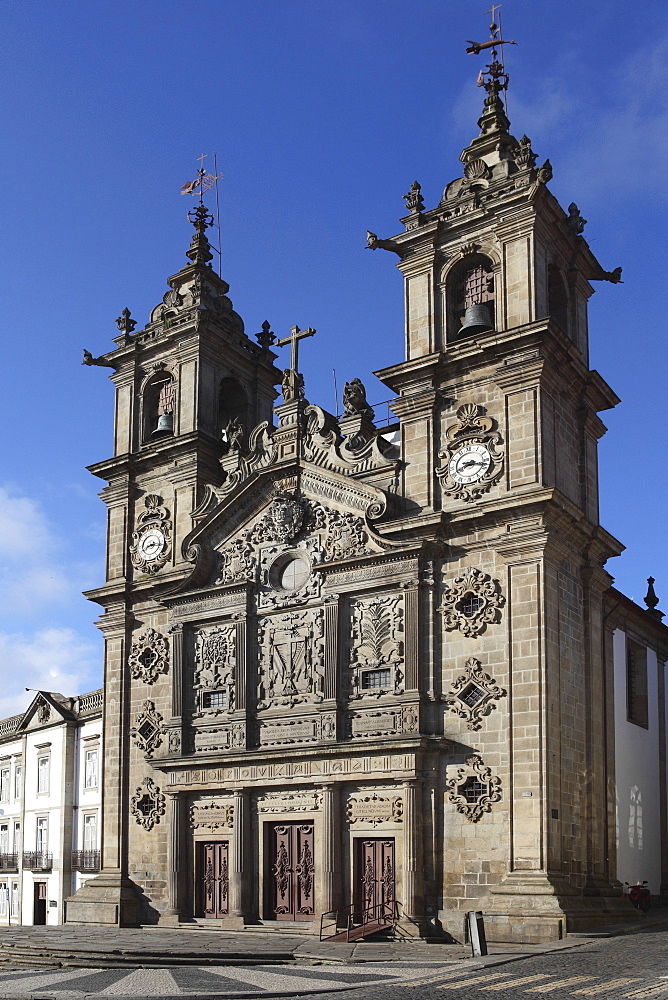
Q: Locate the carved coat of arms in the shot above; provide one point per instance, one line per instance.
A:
(286, 517)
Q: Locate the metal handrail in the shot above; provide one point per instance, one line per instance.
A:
(356, 915)
(9, 862)
(86, 861)
(38, 861)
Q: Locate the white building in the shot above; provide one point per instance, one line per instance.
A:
(637, 707)
(50, 805)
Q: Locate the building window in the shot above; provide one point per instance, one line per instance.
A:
(636, 684)
(42, 838)
(42, 775)
(4, 838)
(90, 832)
(17, 837)
(4, 784)
(14, 900)
(18, 781)
(4, 893)
(91, 768)
(375, 679)
(214, 699)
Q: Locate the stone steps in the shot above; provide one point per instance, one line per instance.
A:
(32, 956)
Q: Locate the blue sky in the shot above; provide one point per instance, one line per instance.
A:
(322, 115)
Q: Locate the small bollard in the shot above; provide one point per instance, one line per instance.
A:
(476, 926)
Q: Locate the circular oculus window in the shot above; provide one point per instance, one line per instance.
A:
(289, 573)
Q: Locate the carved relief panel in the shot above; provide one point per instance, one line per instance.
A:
(214, 671)
(291, 654)
(376, 646)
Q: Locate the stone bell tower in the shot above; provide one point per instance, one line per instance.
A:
(499, 423)
(190, 387)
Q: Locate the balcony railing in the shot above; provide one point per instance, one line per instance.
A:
(9, 862)
(86, 861)
(38, 861)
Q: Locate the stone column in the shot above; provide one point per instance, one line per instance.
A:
(331, 872)
(239, 840)
(175, 845)
(413, 861)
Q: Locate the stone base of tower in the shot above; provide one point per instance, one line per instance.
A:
(534, 908)
(107, 899)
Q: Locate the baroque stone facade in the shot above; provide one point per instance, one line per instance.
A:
(360, 642)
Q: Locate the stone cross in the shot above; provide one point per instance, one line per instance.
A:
(295, 336)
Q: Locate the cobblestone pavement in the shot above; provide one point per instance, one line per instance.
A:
(633, 967)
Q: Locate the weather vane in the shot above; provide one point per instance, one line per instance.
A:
(494, 79)
(203, 182)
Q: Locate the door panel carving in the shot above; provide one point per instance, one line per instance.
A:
(215, 879)
(375, 873)
(291, 866)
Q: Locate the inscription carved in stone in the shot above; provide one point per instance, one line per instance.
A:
(212, 816)
(285, 801)
(375, 809)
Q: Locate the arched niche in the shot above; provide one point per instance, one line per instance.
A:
(233, 405)
(470, 282)
(158, 397)
(557, 297)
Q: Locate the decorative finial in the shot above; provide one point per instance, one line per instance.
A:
(203, 181)
(266, 338)
(200, 248)
(651, 600)
(124, 322)
(414, 200)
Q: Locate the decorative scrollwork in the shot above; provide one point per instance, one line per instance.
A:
(149, 656)
(472, 458)
(147, 805)
(471, 603)
(474, 788)
(147, 732)
(474, 694)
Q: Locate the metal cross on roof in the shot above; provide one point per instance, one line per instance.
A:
(295, 336)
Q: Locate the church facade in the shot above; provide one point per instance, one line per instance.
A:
(353, 670)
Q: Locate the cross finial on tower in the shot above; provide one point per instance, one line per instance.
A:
(295, 336)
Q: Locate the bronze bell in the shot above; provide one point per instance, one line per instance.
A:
(165, 424)
(476, 319)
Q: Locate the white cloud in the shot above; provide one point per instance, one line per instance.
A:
(53, 659)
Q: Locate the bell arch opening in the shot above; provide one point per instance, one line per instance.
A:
(233, 410)
(557, 297)
(470, 297)
(158, 406)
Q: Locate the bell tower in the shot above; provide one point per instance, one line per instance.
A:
(499, 424)
(190, 387)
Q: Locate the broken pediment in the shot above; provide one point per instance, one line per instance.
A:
(276, 535)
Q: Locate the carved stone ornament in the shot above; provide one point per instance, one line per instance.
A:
(147, 731)
(291, 659)
(214, 671)
(472, 459)
(43, 711)
(149, 656)
(377, 646)
(474, 694)
(212, 816)
(147, 805)
(476, 170)
(471, 603)
(285, 518)
(474, 788)
(374, 809)
(152, 539)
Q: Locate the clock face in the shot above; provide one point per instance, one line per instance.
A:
(151, 544)
(469, 463)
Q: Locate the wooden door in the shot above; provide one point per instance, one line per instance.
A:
(291, 871)
(39, 909)
(374, 875)
(215, 879)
